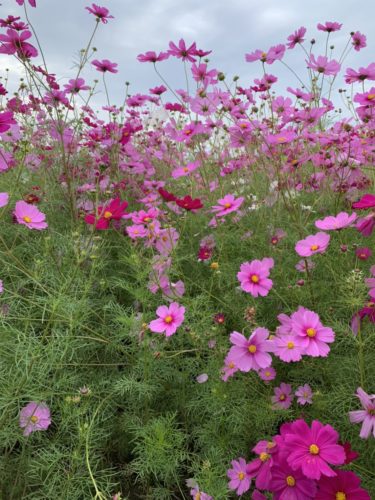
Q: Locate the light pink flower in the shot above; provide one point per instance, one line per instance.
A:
(252, 353)
(283, 396)
(35, 417)
(170, 318)
(30, 216)
(304, 394)
(4, 199)
(315, 243)
(240, 479)
(333, 223)
(322, 65)
(267, 374)
(288, 347)
(227, 205)
(366, 416)
(253, 276)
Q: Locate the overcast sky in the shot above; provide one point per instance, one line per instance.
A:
(231, 28)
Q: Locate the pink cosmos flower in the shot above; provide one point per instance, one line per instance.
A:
(113, 210)
(240, 480)
(363, 253)
(304, 394)
(367, 200)
(282, 138)
(35, 417)
(31, 2)
(184, 171)
(322, 65)
(296, 37)
(136, 231)
(197, 494)
(366, 225)
(329, 26)
(153, 57)
(352, 76)
(6, 121)
(283, 396)
(4, 199)
(367, 415)
(301, 265)
(101, 13)
(358, 41)
(267, 374)
(183, 52)
(261, 467)
(367, 98)
(170, 318)
(105, 65)
(76, 85)
(334, 223)
(289, 347)
(287, 484)
(275, 53)
(229, 368)
(312, 449)
(315, 243)
(345, 486)
(30, 216)
(252, 353)
(253, 276)
(227, 205)
(314, 336)
(15, 43)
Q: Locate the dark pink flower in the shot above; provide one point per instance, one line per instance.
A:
(296, 37)
(31, 2)
(153, 57)
(329, 27)
(35, 417)
(358, 41)
(313, 449)
(14, 43)
(183, 52)
(101, 13)
(367, 201)
(363, 253)
(287, 484)
(345, 486)
(6, 121)
(105, 65)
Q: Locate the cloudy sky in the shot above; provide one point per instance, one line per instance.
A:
(230, 28)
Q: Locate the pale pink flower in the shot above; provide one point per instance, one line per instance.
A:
(30, 216)
(227, 205)
(334, 223)
(35, 417)
(4, 199)
(240, 479)
(288, 347)
(304, 394)
(366, 416)
(315, 243)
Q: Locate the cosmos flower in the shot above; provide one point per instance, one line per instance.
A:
(227, 205)
(366, 416)
(283, 396)
(315, 243)
(34, 417)
(30, 216)
(252, 353)
(105, 65)
(240, 479)
(101, 13)
(334, 223)
(304, 394)
(170, 318)
(344, 486)
(253, 276)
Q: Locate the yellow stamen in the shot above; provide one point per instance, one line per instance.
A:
(168, 319)
(314, 247)
(254, 278)
(290, 481)
(34, 419)
(282, 397)
(107, 214)
(290, 345)
(252, 348)
(281, 139)
(26, 218)
(231, 365)
(311, 332)
(371, 96)
(314, 449)
(340, 495)
(227, 205)
(241, 476)
(264, 457)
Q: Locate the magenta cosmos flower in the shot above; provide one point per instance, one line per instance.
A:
(105, 65)
(329, 26)
(31, 2)
(367, 200)
(240, 480)
(252, 353)
(366, 416)
(15, 43)
(312, 449)
(283, 396)
(35, 417)
(345, 486)
(253, 276)
(227, 205)
(333, 223)
(101, 13)
(153, 57)
(315, 243)
(314, 336)
(30, 216)
(170, 318)
(287, 484)
(289, 347)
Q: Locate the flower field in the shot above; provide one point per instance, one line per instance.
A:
(187, 295)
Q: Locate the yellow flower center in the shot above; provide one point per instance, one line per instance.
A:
(371, 96)
(168, 319)
(227, 205)
(147, 219)
(231, 365)
(290, 345)
(314, 247)
(34, 419)
(107, 214)
(311, 332)
(214, 265)
(270, 445)
(267, 373)
(264, 55)
(26, 218)
(281, 139)
(197, 496)
(264, 457)
(281, 397)
(290, 481)
(241, 476)
(186, 170)
(252, 348)
(243, 125)
(340, 495)
(187, 132)
(255, 278)
(314, 449)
